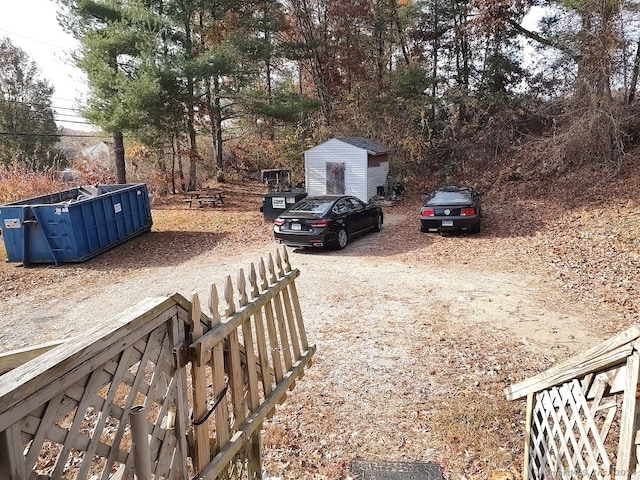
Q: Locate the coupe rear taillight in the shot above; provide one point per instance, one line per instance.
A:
(468, 211)
(278, 221)
(428, 212)
(323, 222)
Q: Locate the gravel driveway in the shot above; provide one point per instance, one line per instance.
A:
(417, 335)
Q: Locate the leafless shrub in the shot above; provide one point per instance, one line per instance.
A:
(592, 136)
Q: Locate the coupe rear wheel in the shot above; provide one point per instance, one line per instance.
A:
(343, 238)
(378, 225)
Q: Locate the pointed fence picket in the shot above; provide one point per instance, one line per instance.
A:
(67, 413)
(265, 347)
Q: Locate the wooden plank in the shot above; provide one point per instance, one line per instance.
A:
(222, 419)
(626, 458)
(176, 337)
(261, 336)
(617, 379)
(12, 465)
(280, 320)
(218, 372)
(298, 312)
(201, 453)
(250, 356)
(527, 436)
(607, 354)
(254, 463)
(105, 410)
(236, 381)
(252, 424)
(62, 367)
(286, 301)
(15, 358)
(115, 455)
(574, 396)
(221, 331)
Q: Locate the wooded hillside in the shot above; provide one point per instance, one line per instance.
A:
(195, 90)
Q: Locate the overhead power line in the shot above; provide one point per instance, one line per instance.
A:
(81, 120)
(72, 121)
(51, 135)
(31, 104)
(57, 47)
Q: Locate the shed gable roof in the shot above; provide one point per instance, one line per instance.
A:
(373, 148)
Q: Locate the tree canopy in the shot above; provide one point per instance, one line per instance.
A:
(237, 85)
(28, 132)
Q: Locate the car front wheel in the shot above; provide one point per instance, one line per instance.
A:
(343, 238)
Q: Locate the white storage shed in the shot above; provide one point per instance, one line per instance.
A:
(347, 166)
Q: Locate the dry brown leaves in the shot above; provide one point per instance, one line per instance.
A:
(583, 235)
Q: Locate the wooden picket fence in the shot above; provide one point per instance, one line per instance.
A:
(583, 415)
(164, 390)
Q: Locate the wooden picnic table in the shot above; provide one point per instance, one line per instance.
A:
(204, 197)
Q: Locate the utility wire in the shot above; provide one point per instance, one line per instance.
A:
(58, 47)
(73, 121)
(32, 104)
(81, 121)
(50, 135)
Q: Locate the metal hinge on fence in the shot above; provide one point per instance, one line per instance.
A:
(181, 355)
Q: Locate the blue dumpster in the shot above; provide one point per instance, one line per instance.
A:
(74, 225)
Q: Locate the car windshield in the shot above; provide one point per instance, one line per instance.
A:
(313, 205)
(448, 197)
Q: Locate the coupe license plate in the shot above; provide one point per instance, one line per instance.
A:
(447, 223)
(296, 226)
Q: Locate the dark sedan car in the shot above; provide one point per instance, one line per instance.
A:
(326, 221)
(451, 209)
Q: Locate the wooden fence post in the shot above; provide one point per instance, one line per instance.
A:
(140, 438)
(629, 420)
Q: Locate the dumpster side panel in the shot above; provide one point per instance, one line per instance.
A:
(74, 225)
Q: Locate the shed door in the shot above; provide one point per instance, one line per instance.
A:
(335, 178)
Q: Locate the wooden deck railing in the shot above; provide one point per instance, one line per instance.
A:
(583, 415)
(197, 386)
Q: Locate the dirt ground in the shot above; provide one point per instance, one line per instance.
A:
(417, 334)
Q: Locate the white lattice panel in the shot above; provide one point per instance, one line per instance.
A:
(565, 440)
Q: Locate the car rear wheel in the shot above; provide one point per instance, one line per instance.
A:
(423, 228)
(343, 238)
(378, 225)
(476, 228)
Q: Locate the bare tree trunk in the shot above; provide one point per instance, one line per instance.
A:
(183, 185)
(173, 165)
(215, 112)
(191, 130)
(634, 77)
(193, 150)
(118, 153)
